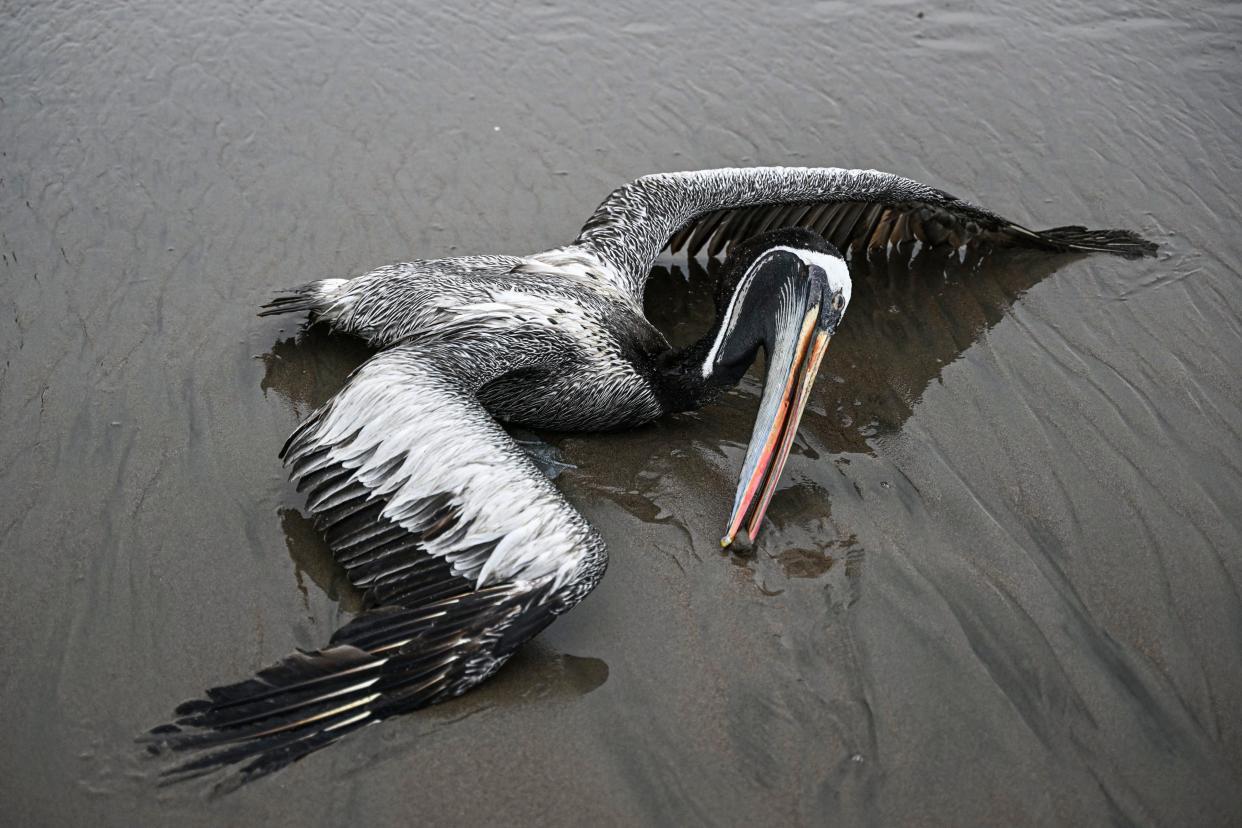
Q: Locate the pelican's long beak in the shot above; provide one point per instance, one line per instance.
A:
(791, 373)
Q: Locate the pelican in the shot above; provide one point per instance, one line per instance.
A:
(463, 549)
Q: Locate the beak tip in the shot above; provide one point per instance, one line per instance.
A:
(725, 541)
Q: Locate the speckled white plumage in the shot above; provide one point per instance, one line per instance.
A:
(636, 221)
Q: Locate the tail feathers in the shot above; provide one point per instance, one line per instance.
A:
(386, 661)
(1124, 243)
(315, 296)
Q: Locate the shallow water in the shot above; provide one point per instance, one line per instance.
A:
(1000, 583)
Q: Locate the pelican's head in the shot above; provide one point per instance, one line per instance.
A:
(784, 292)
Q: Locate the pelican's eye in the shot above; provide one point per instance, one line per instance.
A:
(838, 302)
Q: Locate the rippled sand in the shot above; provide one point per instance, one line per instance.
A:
(1000, 584)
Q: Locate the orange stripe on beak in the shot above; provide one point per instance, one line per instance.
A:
(810, 368)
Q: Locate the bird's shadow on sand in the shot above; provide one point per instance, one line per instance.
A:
(911, 315)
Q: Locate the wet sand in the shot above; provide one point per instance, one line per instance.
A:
(1000, 583)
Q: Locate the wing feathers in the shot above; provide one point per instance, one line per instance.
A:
(1118, 242)
(857, 210)
(463, 548)
(387, 661)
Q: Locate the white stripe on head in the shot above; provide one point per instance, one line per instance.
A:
(834, 267)
(731, 316)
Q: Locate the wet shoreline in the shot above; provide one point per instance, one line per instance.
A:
(1000, 584)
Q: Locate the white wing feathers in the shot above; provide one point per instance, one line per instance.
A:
(407, 436)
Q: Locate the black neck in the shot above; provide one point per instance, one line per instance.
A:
(680, 383)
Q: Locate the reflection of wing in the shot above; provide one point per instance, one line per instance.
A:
(909, 318)
(464, 551)
(854, 209)
(908, 321)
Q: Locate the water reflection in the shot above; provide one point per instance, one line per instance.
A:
(312, 558)
(312, 365)
(803, 541)
(909, 318)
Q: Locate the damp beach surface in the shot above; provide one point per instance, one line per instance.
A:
(998, 585)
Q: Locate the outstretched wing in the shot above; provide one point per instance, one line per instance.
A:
(464, 550)
(854, 209)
